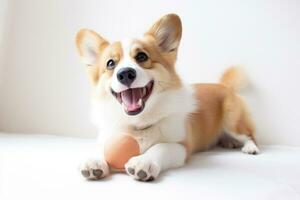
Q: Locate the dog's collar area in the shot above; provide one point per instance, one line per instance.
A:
(142, 128)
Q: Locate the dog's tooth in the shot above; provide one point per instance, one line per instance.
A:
(144, 91)
(140, 102)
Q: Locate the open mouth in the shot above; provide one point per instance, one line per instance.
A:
(133, 99)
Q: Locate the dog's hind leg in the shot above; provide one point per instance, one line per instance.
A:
(227, 141)
(236, 118)
(237, 123)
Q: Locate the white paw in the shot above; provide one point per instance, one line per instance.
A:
(142, 168)
(94, 169)
(250, 148)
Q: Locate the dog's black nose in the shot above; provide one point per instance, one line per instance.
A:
(126, 76)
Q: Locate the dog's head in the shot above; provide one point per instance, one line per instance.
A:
(133, 71)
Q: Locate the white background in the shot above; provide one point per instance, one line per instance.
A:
(44, 88)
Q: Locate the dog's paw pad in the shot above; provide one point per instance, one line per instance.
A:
(94, 169)
(142, 174)
(85, 173)
(97, 173)
(142, 169)
(151, 178)
(131, 171)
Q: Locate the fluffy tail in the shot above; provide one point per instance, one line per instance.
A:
(234, 78)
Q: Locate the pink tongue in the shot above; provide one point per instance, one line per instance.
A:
(131, 97)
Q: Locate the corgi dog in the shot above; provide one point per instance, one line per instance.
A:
(136, 90)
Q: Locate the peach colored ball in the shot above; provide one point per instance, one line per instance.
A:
(118, 150)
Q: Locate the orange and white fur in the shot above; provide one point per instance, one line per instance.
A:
(136, 90)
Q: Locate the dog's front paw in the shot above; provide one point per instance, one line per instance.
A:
(94, 169)
(142, 169)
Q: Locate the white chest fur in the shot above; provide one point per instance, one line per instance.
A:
(168, 130)
(164, 120)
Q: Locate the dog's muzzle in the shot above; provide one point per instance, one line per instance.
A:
(133, 99)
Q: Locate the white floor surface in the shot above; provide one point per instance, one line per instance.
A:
(46, 167)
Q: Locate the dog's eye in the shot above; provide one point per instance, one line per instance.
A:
(110, 64)
(141, 57)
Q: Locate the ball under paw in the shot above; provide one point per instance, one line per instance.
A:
(118, 150)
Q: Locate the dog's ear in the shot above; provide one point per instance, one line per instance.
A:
(89, 46)
(167, 32)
